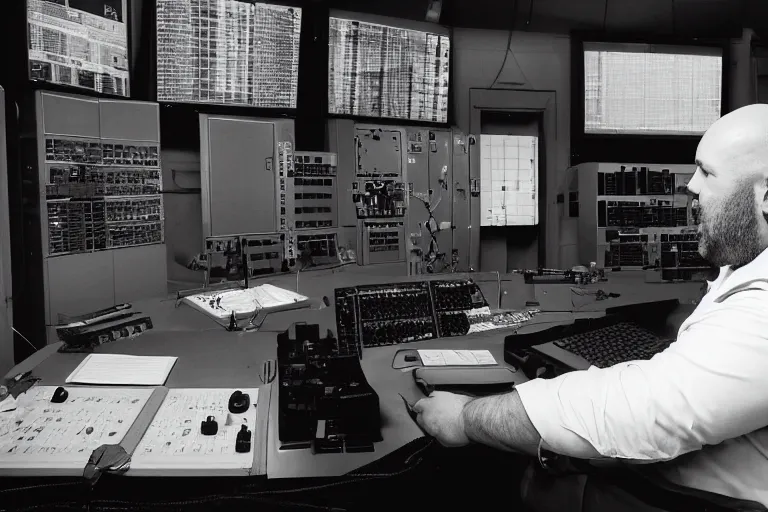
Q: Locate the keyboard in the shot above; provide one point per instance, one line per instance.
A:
(613, 344)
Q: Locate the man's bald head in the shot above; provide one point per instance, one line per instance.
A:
(737, 143)
(731, 183)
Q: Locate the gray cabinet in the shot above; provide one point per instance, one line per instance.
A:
(101, 203)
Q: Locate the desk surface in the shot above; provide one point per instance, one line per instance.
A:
(209, 356)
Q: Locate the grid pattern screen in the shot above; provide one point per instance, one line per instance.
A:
(637, 89)
(79, 43)
(227, 52)
(382, 71)
(509, 180)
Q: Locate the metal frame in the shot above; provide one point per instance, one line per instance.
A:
(6, 285)
(75, 89)
(501, 100)
(280, 127)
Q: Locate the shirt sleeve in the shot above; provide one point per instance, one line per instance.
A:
(708, 386)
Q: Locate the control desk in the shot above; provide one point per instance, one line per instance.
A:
(209, 356)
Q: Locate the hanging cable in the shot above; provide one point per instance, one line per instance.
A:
(433, 254)
(509, 44)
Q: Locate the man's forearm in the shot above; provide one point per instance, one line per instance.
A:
(500, 421)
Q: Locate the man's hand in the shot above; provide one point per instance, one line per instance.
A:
(441, 416)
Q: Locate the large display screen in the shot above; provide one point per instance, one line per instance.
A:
(390, 72)
(227, 52)
(509, 180)
(79, 43)
(647, 89)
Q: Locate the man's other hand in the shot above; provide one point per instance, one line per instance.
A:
(441, 416)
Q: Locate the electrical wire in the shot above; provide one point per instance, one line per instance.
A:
(509, 44)
(25, 339)
(354, 479)
(530, 15)
(42, 486)
(433, 252)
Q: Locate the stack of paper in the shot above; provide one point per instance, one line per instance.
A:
(115, 369)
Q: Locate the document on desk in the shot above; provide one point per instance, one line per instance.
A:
(174, 444)
(244, 303)
(45, 438)
(122, 370)
(456, 357)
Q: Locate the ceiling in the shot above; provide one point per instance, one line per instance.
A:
(685, 18)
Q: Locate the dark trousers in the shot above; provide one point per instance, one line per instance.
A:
(617, 489)
(542, 492)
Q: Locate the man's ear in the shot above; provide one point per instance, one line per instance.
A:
(763, 191)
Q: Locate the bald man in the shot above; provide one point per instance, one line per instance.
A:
(700, 408)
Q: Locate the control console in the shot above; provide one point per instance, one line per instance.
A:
(453, 301)
(325, 402)
(379, 198)
(397, 313)
(390, 314)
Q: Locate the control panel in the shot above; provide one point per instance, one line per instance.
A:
(396, 314)
(375, 315)
(665, 248)
(651, 213)
(285, 169)
(452, 301)
(627, 250)
(382, 242)
(312, 185)
(232, 258)
(319, 247)
(101, 195)
(325, 402)
(379, 198)
(636, 181)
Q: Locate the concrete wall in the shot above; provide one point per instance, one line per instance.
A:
(540, 62)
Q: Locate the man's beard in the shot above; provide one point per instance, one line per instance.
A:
(730, 235)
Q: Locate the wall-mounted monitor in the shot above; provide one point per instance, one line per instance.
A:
(509, 180)
(644, 89)
(79, 43)
(377, 70)
(227, 52)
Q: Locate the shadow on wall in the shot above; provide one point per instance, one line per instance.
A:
(183, 210)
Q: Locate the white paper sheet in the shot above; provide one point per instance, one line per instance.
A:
(456, 357)
(117, 369)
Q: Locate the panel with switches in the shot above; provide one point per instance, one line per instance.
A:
(388, 314)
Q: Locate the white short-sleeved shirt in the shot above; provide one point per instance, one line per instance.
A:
(701, 406)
